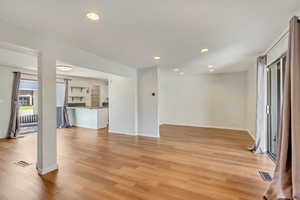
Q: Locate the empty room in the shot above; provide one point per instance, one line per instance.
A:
(149, 100)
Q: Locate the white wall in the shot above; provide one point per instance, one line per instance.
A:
(104, 92)
(205, 100)
(148, 122)
(6, 77)
(251, 100)
(122, 105)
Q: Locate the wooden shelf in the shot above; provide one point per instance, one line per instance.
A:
(78, 87)
(82, 94)
(79, 96)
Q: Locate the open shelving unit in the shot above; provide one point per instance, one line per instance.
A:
(89, 96)
(77, 94)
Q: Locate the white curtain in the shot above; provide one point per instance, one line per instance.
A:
(261, 106)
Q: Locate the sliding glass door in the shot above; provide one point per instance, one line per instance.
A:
(275, 76)
(28, 106)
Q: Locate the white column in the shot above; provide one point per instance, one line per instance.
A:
(47, 143)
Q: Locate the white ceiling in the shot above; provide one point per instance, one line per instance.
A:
(133, 31)
(84, 73)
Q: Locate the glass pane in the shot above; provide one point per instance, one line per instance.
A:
(275, 88)
(28, 109)
(275, 106)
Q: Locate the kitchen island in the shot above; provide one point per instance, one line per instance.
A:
(88, 117)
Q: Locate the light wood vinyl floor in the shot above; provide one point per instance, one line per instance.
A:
(186, 163)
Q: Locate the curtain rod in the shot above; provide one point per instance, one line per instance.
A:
(279, 40)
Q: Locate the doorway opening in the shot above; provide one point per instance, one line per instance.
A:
(28, 106)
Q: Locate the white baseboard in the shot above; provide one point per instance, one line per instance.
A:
(133, 134)
(180, 124)
(148, 135)
(251, 135)
(46, 170)
(206, 126)
(121, 132)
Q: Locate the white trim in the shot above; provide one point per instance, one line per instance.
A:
(121, 132)
(47, 169)
(205, 126)
(251, 135)
(148, 135)
(132, 134)
(275, 43)
(282, 36)
(18, 49)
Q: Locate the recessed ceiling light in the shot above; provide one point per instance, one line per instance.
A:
(204, 50)
(93, 16)
(176, 70)
(181, 73)
(64, 68)
(210, 66)
(156, 58)
(211, 70)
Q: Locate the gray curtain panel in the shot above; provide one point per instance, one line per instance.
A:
(260, 145)
(14, 123)
(59, 117)
(62, 112)
(66, 122)
(286, 181)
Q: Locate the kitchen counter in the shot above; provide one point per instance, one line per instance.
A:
(88, 117)
(73, 107)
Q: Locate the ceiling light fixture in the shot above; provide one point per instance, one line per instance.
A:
(210, 66)
(93, 16)
(204, 50)
(64, 68)
(156, 58)
(176, 70)
(181, 73)
(211, 70)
